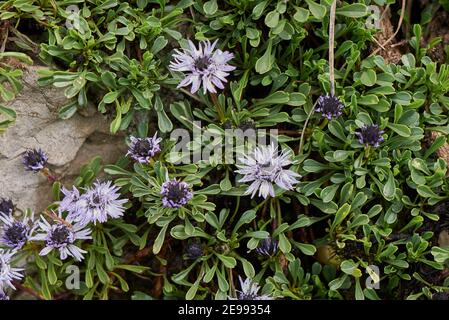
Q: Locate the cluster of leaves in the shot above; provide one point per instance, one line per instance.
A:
(10, 84)
(356, 207)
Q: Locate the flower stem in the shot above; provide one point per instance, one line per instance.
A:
(301, 143)
(221, 115)
(367, 152)
(49, 175)
(55, 217)
(331, 46)
(30, 291)
(324, 123)
(231, 284)
(235, 211)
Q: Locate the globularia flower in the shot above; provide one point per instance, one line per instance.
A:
(329, 106)
(142, 149)
(370, 135)
(34, 159)
(440, 296)
(175, 194)
(6, 206)
(97, 203)
(7, 272)
(206, 65)
(13, 233)
(194, 250)
(250, 291)
(267, 247)
(62, 236)
(70, 201)
(265, 167)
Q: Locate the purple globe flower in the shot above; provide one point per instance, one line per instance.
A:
(370, 135)
(267, 247)
(195, 250)
(329, 106)
(142, 149)
(264, 168)
(206, 65)
(440, 296)
(62, 236)
(34, 160)
(8, 273)
(6, 206)
(250, 291)
(70, 201)
(13, 233)
(97, 204)
(175, 194)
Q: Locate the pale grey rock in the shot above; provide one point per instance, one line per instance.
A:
(69, 143)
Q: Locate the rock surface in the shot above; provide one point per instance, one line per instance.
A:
(69, 143)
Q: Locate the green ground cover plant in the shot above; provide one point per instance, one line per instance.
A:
(351, 204)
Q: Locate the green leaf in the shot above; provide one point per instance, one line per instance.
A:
(355, 10)
(278, 97)
(132, 268)
(368, 77)
(340, 215)
(163, 121)
(193, 289)
(159, 240)
(301, 15)
(389, 188)
(350, 268)
(248, 268)
(439, 142)
(210, 7)
(426, 192)
(440, 255)
(337, 283)
(307, 249)
(284, 244)
(8, 112)
(229, 262)
(259, 9)
(358, 290)
(318, 10)
(265, 63)
(359, 220)
(110, 97)
(297, 99)
(225, 184)
(328, 193)
(67, 111)
(158, 44)
(400, 129)
(115, 124)
(52, 278)
(311, 165)
(138, 295)
(272, 19)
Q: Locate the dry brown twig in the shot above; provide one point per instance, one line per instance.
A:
(401, 19)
